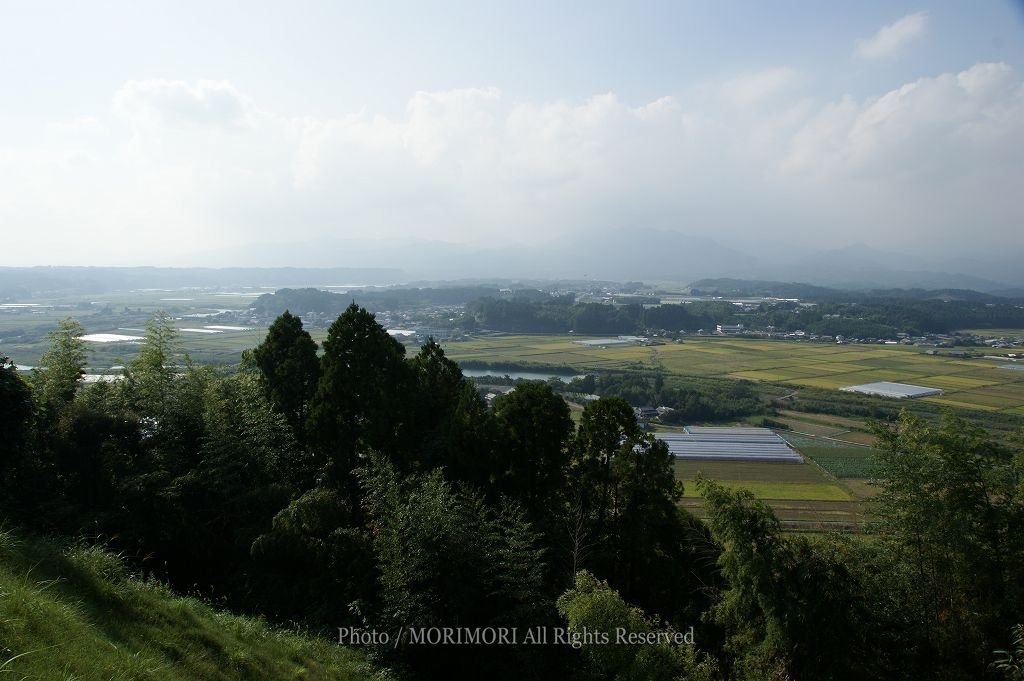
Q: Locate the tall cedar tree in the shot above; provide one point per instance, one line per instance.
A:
(622, 516)
(290, 369)
(535, 426)
(434, 413)
(360, 399)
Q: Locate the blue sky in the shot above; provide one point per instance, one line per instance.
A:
(487, 122)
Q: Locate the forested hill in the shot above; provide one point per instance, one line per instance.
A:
(325, 302)
(877, 318)
(768, 289)
(824, 294)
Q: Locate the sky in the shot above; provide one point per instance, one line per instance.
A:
(145, 133)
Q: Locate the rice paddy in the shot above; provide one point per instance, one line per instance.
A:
(825, 492)
(803, 496)
(977, 384)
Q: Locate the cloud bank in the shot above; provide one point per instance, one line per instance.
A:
(178, 167)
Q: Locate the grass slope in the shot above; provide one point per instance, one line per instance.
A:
(74, 613)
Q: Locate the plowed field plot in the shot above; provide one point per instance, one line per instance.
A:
(796, 514)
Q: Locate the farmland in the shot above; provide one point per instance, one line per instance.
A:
(828, 491)
(968, 383)
(23, 330)
(803, 496)
(824, 493)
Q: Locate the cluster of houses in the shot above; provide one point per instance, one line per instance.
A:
(1004, 342)
(643, 414)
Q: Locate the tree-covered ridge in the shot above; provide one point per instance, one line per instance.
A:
(305, 300)
(871, 318)
(824, 294)
(361, 487)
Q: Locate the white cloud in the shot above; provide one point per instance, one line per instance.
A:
(753, 87)
(950, 125)
(176, 102)
(892, 37)
(436, 120)
(186, 167)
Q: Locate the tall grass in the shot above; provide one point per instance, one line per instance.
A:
(76, 613)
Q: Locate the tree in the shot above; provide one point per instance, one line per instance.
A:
(534, 425)
(438, 386)
(950, 509)
(148, 377)
(15, 402)
(593, 608)
(472, 439)
(623, 519)
(63, 365)
(314, 564)
(90, 450)
(607, 425)
(359, 400)
(446, 558)
(233, 484)
(792, 607)
(289, 369)
(649, 537)
(16, 411)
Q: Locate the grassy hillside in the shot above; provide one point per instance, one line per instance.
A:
(74, 613)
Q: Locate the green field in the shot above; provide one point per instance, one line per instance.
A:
(767, 480)
(968, 383)
(760, 471)
(803, 496)
(842, 462)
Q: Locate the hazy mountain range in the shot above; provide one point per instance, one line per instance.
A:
(639, 254)
(648, 255)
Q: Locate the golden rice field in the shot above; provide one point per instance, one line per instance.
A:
(968, 383)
